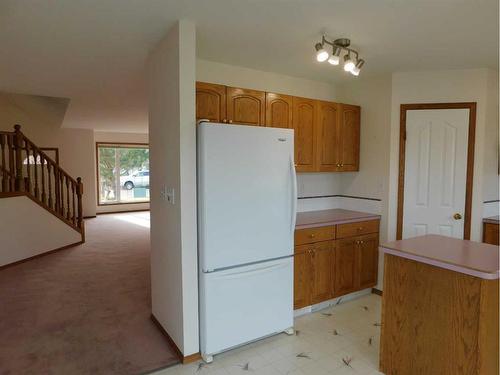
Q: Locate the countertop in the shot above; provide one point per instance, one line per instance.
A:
(492, 219)
(311, 219)
(467, 257)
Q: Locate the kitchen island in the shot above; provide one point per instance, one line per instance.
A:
(440, 307)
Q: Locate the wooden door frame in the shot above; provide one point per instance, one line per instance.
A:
(471, 106)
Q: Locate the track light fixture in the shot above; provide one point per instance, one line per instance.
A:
(351, 65)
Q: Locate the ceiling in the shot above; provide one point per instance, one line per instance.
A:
(93, 51)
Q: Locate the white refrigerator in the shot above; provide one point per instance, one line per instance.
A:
(247, 202)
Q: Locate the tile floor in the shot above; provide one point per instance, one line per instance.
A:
(339, 340)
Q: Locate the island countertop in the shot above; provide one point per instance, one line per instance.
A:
(311, 219)
(467, 257)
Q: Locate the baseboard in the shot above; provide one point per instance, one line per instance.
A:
(41, 255)
(377, 291)
(121, 212)
(183, 359)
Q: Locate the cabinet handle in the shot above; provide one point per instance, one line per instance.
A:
(224, 121)
(361, 241)
(230, 121)
(311, 236)
(360, 229)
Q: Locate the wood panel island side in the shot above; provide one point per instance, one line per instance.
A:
(440, 307)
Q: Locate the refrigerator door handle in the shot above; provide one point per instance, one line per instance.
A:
(294, 195)
(251, 272)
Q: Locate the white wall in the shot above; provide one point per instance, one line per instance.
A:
(27, 230)
(380, 99)
(374, 97)
(309, 184)
(471, 85)
(40, 119)
(113, 137)
(174, 275)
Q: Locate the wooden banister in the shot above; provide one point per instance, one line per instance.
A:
(27, 170)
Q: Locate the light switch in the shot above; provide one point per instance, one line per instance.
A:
(170, 195)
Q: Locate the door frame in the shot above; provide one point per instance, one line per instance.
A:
(471, 106)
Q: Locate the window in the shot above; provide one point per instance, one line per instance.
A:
(122, 173)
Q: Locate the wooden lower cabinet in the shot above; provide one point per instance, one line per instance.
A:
(345, 265)
(313, 272)
(321, 262)
(332, 268)
(302, 277)
(491, 233)
(367, 253)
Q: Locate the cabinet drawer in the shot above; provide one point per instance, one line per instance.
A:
(355, 229)
(310, 235)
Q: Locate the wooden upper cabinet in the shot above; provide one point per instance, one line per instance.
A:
(304, 124)
(246, 107)
(328, 136)
(349, 126)
(368, 260)
(321, 260)
(210, 102)
(278, 111)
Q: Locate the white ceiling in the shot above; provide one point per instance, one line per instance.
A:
(93, 51)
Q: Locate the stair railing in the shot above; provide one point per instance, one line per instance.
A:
(26, 170)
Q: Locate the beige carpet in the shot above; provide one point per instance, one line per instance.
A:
(85, 310)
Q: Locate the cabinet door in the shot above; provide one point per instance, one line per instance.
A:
(304, 124)
(210, 102)
(278, 111)
(302, 276)
(321, 259)
(328, 137)
(367, 260)
(349, 125)
(490, 233)
(246, 107)
(345, 267)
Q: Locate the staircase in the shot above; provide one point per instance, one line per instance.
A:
(25, 170)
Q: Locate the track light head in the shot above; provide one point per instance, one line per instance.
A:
(335, 57)
(355, 71)
(321, 53)
(348, 63)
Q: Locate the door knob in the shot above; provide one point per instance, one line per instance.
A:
(457, 216)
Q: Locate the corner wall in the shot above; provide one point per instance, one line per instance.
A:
(172, 127)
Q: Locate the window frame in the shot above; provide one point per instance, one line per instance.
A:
(114, 145)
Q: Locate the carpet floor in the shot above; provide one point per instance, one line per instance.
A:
(84, 310)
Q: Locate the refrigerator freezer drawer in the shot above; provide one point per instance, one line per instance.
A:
(242, 304)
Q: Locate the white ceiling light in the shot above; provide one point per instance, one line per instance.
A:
(335, 57)
(348, 63)
(355, 71)
(338, 45)
(321, 53)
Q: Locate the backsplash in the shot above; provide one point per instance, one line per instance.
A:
(370, 205)
(491, 208)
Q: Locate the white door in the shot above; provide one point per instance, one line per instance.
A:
(435, 172)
